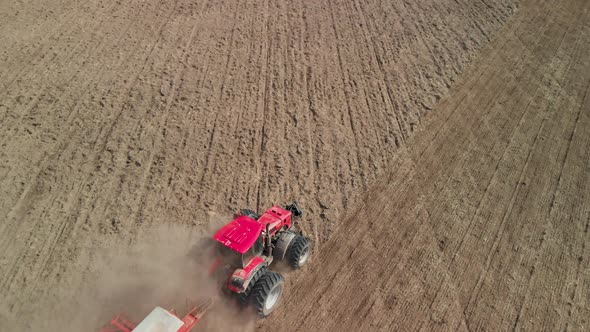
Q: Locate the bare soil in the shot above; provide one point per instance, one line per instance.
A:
(118, 117)
(483, 221)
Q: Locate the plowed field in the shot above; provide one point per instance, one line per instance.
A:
(483, 223)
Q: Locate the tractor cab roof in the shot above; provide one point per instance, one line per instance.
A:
(240, 234)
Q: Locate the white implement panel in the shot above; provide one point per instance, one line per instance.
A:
(159, 320)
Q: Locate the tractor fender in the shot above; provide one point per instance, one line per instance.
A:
(283, 244)
(241, 278)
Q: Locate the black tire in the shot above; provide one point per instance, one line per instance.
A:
(266, 294)
(243, 298)
(250, 213)
(299, 251)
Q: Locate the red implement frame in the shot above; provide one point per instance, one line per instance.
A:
(121, 324)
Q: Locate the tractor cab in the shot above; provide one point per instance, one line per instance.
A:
(249, 228)
(241, 234)
(247, 233)
(236, 259)
(252, 235)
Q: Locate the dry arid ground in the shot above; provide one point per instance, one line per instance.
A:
(430, 208)
(483, 222)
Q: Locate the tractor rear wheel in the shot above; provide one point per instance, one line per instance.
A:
(245, 296)
(266, 294)
(299, 251)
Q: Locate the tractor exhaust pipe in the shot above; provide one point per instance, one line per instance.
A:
(268, 242)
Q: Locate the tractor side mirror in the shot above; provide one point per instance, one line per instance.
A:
(295, 210)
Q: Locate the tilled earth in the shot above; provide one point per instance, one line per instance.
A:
(120, 116)
(483, 222)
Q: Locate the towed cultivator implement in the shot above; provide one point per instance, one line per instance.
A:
(242, 251)
(159, 320)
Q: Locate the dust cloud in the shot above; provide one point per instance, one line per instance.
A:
(166, 266)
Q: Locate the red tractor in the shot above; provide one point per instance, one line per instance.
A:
(249, 244)
(242, 251)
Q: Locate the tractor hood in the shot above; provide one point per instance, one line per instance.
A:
(240, 234)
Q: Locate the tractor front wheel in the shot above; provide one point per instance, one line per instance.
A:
(267, 292)
(299, 251)
(245, 296)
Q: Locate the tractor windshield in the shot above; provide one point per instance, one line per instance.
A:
(236, 259)
(229, 256)
(255, 251)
